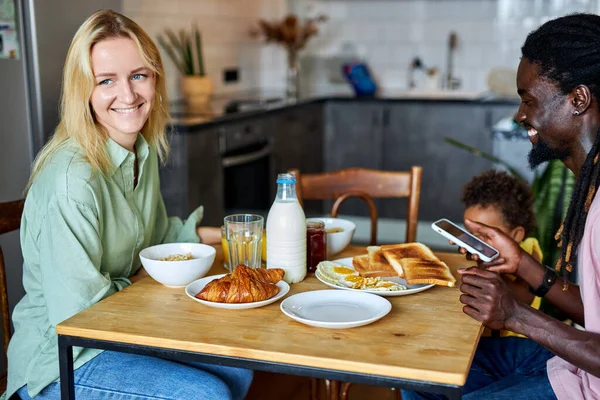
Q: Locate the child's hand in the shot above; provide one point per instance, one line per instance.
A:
(510, 251)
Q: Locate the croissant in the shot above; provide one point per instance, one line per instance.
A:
(273, 275)
(239, 289)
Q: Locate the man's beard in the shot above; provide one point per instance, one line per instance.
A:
(542, 152)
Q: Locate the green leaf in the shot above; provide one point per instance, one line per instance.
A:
(199, 54)
(486, 156)
(552, 192)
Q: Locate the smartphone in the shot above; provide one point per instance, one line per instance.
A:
(464, 239)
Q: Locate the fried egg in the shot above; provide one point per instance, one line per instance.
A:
(335, 273)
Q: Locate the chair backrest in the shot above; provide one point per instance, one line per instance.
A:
(366, 184)
(10, 220)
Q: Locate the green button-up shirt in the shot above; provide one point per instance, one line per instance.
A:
(81, 234)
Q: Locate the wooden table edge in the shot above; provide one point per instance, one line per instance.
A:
(436, 377)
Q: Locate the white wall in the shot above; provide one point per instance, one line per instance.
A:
(225, 26)
(390, 33)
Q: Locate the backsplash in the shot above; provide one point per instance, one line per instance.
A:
(389, 34)
(225, 26)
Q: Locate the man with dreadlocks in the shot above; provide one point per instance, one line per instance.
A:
(558, 81)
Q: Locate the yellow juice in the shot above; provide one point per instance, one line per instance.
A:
(264, 246)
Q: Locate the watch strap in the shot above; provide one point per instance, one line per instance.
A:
(547, 282)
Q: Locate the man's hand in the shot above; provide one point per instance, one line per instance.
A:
(510, 251)
(487, 298)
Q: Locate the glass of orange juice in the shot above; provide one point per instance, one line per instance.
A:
(264, 247)
(225, 246)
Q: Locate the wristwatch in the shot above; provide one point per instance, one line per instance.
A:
(547, 282)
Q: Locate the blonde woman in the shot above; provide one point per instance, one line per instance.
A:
(93, 203)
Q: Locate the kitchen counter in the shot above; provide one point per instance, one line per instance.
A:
(188, 119)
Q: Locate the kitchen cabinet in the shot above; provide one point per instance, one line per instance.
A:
(414, 134)
(297, 137)
(193, 176)
(353, 138)
(353, 135)
(333, 134)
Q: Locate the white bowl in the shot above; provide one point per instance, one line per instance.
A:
(177, 273)
(338, 241)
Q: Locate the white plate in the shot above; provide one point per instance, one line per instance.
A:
(335, 309)
(196, 287)
(410, 289)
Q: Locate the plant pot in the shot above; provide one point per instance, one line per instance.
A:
(196, 90)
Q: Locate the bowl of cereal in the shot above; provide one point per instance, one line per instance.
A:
(177, 264)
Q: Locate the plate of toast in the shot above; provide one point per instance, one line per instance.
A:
(388, 270)
(244, 288)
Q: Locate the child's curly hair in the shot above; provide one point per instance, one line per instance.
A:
(512, 197)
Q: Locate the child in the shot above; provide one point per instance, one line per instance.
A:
(499, 200)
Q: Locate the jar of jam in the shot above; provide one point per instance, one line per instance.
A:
(316, 244)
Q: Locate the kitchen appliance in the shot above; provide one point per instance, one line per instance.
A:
(30, 93)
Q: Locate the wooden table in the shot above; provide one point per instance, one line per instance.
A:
(425, 343)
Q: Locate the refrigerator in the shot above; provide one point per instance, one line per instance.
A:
(29, 97)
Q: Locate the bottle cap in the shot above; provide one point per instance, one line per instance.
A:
(286, 179)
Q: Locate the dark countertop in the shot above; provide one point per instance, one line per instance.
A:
(186, 118)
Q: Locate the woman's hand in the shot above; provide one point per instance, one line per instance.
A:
(209, 235)
(510, 251)
(140, 273)
(487, 298)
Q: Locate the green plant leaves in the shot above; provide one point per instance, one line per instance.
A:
(187, 58)
(552, 190)
(485, 155)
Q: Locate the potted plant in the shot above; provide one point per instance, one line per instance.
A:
(292, 35)
(185, 50)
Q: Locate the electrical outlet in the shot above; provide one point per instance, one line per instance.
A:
(230, 75)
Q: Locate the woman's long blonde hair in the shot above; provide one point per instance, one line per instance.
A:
(77, 120)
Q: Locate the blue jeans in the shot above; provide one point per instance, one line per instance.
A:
(121, 376)
(504, 368)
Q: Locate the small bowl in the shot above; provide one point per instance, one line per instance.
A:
(177, 273)
(338, 241)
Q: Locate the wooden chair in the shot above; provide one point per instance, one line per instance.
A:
(366, 184)
(10, 220)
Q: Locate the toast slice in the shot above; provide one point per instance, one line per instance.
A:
(361, 264)
(364, 268)
(378, 263)
(417, 264)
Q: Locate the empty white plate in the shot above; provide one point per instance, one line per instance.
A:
(410, 289)
(196, 287)
(335, 309)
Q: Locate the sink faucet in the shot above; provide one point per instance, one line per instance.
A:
(415, 64)
(451, 82)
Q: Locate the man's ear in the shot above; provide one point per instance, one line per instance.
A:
(518, 234)
(582, 98)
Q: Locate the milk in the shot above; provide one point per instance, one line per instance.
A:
(286, 231)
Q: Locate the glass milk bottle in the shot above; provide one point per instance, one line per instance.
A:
(286, 231)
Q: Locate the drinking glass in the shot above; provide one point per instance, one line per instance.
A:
(244, 238)
(225, 246)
